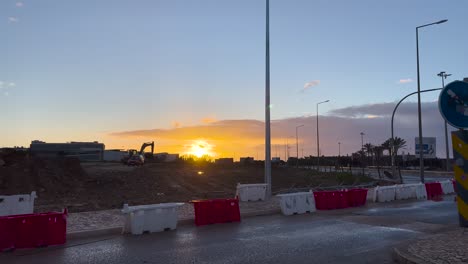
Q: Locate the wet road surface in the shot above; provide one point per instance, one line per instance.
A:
(362, 235)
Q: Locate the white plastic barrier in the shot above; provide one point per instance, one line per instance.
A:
(372, 194)
(385, 193)
(405, 191)
(297, 203)
(150, 218)
(447, 187)
(17, 204)
(419, 190)
(251, 192)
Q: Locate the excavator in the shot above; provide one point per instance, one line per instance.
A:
(135, 158)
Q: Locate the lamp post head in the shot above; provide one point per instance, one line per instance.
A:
(442, 21)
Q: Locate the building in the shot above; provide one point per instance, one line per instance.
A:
(166, 157)
(85, 151)
(246, 160)
(114, 155)
(224, 161)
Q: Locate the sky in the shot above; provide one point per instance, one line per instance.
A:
(181, 72)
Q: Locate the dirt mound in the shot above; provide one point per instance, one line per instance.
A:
(23, 174)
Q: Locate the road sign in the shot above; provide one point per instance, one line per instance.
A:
(453, 104)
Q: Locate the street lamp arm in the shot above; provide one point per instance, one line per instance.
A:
(433, 23)
(393, 116)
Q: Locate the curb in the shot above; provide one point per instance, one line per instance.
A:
(183, 222)
(404, 257)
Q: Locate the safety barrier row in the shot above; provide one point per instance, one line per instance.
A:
(17, 204)
(33, 230)
(216, 211)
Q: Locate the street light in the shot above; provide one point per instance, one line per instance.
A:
(362, 151)
(443, 76)
(318, 144)
(421, 158)
(297, 147)
(339, 149)
(391, 126)
(267, 103)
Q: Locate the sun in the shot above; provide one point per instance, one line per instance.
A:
(200, 148)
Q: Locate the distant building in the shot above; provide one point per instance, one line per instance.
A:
(275, 160)
(85, 151)
(114, 155)
(166, 157)
(224, 161)
(246, 160)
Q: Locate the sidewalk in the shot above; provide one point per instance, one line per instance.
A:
(114, 219)
(447, 247)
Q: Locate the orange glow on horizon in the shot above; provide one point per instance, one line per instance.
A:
(200, 148)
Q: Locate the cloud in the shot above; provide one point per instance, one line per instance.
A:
(1, 84)
(208, 120)
(13, 20)
(310, 84)
(19, 4)
(6, 93)
(403, 81)
(246, 137)
(11, 84)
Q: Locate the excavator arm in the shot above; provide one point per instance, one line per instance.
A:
(147, 144)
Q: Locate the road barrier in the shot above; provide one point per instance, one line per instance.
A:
(33, 230)
(216, 211)
(150, 218)
(251, 192)
(433, 190)
(447, 186)
(17, 204)
(329, 200)
(297, 203)
(357, 197)
(385, 193)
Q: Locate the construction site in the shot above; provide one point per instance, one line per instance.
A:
(66, 181)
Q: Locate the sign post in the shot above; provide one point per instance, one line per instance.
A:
(453, 106)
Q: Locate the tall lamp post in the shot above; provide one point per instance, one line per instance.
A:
(421, 157)
(339, 149)
(297, 147)
(267, 102)
(443, 76)
(318, 141)
(362, 151)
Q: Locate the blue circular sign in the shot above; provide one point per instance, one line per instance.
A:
(453, 104)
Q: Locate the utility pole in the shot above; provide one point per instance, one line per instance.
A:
(267, 103)
(443, 76)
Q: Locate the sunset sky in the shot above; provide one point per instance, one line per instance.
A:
(181, 72)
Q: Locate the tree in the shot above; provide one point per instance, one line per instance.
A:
(378, 152)
(387, 145)
(369, 149)
(399, 143)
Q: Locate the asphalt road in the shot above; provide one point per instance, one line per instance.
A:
(363, 235)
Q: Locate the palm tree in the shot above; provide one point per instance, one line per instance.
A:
(387, 145)
(399, 143)
(368, 148)
(378, 152)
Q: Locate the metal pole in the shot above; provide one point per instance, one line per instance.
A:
(318, 144)
(443, 76)
(297, 147)
(362, 149)
(393, 116)
(267, 102)
(420, 142)
(339, 149)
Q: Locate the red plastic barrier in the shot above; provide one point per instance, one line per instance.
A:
(329, 200)
(433, 190)
(32, 230)
(357, 197)
(454, 182)
(216, 211)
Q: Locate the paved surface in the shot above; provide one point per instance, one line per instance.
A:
(85, 221)
(362, 235)
(449, 247)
